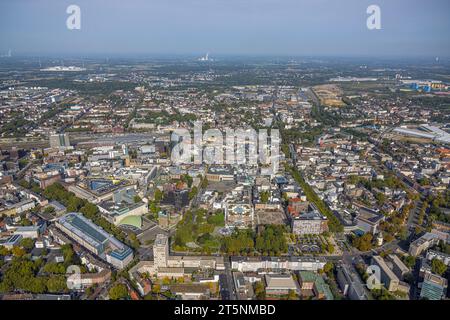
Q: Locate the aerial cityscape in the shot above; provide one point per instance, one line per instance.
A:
(216, 176)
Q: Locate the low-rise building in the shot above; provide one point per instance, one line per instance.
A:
(95, 239)
(311, 282)
(311, 222)
(280, 284)
(388, 277)
(350, 284)
(247, 264)
(398, 267)
(423, 243)
(123, 209)
(369, 220)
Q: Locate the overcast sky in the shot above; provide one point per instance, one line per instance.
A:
(254, 27)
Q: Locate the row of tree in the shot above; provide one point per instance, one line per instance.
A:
(270, 241)
(334, 224)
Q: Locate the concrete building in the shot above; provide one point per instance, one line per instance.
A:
(95, 239)
(59, 140)
(122, 209)
(312, 222)
(32, 232)
(191, 291)
(432, 254)
(350, 284)
(86, 280)
(280, 284)
(11, 241)
(161, 251)
(18, 208)
(423, 243)
(398, 267)
(248, 264)
(434, 287)
(165, 265)
(239, 215)
(369, 220)
(387, 276)
(311, 282)
(217, 174)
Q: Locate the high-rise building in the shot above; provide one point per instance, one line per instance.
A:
(161, 250)
(59, 140)
(433, 287)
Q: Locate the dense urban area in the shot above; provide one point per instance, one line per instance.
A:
(93, 207)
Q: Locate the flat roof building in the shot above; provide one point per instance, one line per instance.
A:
(399, 268)
(423, 243)
(387, 276)
(434, 287)
(95, 239)
(280, 284)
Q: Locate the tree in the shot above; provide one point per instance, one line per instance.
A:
(69, 255)
(56, 284)
(118, 292)
(88, 291)
(134, 241)
(381, 198)
(193, 192)
(217, 219)
(409, 261)
(4, 251)
(382, 294)
(25, 222)
(21, 275)
(75, 204)
(27, 243)
(328, 267)
(363, 243)
(49, 209)
(89, 210)
(264, 195)
(204, 183)
(137, 199)
(156, 288)
(438, 267)
(292, 295)
(260, 291)
(154, 208)
(330, 248)
(158, 195)
(188, 179)
(38, 285)
(53, 267)
(18, 251)
(403, 233)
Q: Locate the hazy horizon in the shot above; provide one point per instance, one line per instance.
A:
(297, 28)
